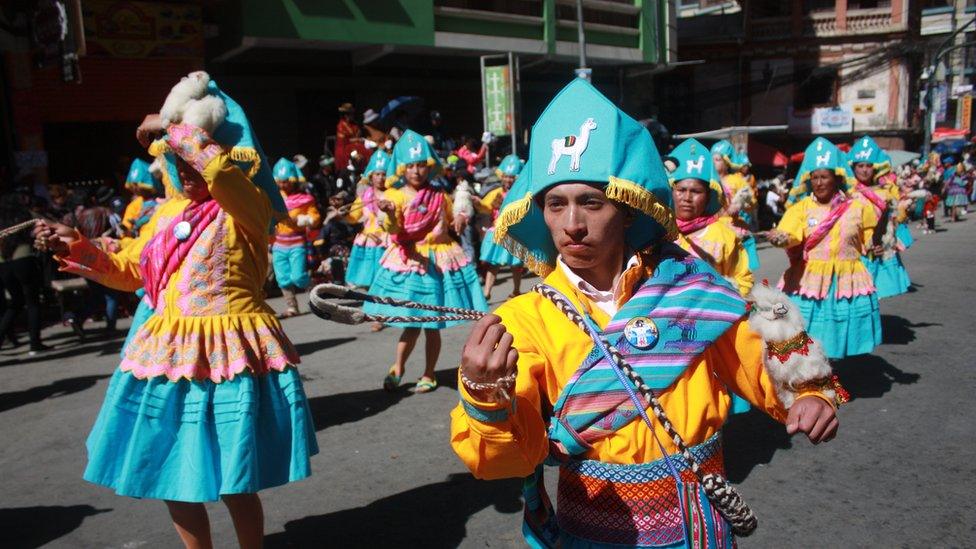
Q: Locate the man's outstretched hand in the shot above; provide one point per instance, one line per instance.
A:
(814, 417)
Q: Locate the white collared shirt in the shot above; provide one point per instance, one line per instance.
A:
(606, 301)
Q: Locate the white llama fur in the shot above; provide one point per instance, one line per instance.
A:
(208, 113)
(742, 200)
(190, 87)
(462, 200)
(776, 318)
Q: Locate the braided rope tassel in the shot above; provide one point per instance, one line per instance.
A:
(717, 488)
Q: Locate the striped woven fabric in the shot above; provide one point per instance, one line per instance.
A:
(641, 505)
(691, 306)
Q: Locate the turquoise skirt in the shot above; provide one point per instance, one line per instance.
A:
(195, 441)
(364, 264)
(890, 276)
(457, 288)
(142, 314)
(845, 327)
(904, 235)
(956, 199)
(496, 254)
(749, 243)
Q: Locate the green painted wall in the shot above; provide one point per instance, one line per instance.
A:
(412, 22)
(446, 23)
(401, 22)
(598, 37)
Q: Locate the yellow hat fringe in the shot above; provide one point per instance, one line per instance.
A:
(247, 154)
(639, 198)
(510, 216)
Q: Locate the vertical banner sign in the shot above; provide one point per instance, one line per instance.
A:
(965, 112)
(497, 93)
(940, 103)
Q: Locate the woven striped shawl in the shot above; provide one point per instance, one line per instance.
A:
(692, 306)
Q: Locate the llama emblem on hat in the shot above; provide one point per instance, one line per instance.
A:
(572, 146)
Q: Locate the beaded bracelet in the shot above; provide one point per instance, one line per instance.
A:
(500, 386)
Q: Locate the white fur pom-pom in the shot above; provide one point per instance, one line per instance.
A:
(207, 113)
(190, 87)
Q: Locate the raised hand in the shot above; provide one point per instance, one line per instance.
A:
(488, 356)
(150, 129)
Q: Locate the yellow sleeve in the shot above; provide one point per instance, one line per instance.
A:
(792, 224)
(118, 270)
(869, 221)
(131, 213)
(316, 217)
(497, 440)
(355, 211)
(392, 223)
(738, 267)
(484, 205)
(739, 364)
(244, 201)
(449, 209)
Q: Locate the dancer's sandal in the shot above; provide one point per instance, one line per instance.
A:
(425, 385)
(392, 381)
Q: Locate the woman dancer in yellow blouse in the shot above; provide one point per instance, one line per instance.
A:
(207, 403)
(698, 199)
(825, 234)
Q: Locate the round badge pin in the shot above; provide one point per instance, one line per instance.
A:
(641, 332)
(182, 230)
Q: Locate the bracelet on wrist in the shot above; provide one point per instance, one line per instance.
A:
(499, 388)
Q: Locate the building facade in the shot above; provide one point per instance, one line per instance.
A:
(837, 67)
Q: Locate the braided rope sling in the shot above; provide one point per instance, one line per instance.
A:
(14, 229)
(318, 302)
(718, 490)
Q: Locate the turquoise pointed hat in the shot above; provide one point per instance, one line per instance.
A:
(694, 161)
(848, 168)
(511, 165)
(141, 177)
(884, 164)
(379, 162)
(819, 155)
(235, 135)
(866, 150)
(725, 149)
(583, 137)
(411, 148)
(286, 170)
(742, 160)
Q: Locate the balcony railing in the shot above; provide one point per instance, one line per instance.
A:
(858, 22)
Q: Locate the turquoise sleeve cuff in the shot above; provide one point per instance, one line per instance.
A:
(487, 416)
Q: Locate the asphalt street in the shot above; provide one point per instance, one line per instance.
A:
(899, 474)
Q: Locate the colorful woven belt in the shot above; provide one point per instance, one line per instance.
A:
(635, 505)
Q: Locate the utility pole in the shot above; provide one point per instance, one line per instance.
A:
(930, 75)
(582, 72)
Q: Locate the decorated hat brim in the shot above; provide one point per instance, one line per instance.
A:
(522, 219)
